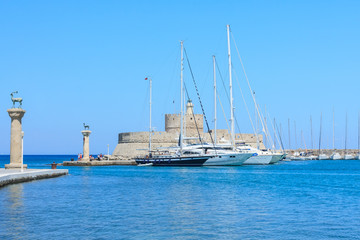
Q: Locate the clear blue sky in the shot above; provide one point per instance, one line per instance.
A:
(85, 61)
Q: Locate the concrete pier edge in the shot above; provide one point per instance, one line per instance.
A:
(11, 177)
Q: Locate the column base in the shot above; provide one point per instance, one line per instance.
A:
(84, 160)
(15, 166)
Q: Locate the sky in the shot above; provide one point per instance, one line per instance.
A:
(76, 62)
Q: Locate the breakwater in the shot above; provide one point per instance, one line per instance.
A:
(10, 176)
(323, 151)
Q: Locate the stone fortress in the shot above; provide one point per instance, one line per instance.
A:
(133, 144)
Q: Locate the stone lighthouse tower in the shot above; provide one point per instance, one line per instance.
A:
(189, 107)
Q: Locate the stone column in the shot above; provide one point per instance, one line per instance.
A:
(86, 134)
(16, 115)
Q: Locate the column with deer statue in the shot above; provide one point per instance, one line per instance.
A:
(86, 133)
(16, 147)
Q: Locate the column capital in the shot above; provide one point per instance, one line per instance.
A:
(16, 113)
(86, 132)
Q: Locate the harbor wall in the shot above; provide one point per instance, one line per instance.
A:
(323, 151)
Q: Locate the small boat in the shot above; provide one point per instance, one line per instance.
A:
(335, 156)
(349, 157)
(145, 165)
(323, 156)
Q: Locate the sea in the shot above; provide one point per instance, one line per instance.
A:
(288, 200)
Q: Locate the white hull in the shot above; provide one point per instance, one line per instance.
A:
(335, 156)
(231, 159)
(276, 158)
(259, 160)
(323, 157)
(349, 157)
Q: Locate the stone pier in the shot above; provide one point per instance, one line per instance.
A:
(16, 147)
(86, 134)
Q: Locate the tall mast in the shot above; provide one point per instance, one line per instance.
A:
(150, 83)
(181, 96)
(232, 133)
(266, 143)
(214, 99)
(274, 134)
(320, 134)
(333, 130)
(289, 133)
(311, 130)
(358, 131)
(346, 120)
(295, 135)
(256, 125)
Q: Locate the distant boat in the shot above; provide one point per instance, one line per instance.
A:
(358, 156)
(347, 156)
(335, 156)
(322, 156)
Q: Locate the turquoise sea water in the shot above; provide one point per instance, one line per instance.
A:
(289, 200)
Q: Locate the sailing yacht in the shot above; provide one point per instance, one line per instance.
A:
(335, 155)
(358, 155)
(322, 156)
(222, 155)
(177, 159)
(347, 156)
(219, 155)
(258, 156)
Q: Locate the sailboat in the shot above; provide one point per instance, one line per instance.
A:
(259, 157)
(224, 156)
(347, 156)
(358, 156)
(177, 159)
(335, 155)
(322, 156)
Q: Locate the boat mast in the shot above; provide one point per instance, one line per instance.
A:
(333, 130)
(274, 134)
(181, 96)
(320, 134)
(346, 122)
(289, 132)
(214, 99)
(295, 135)
(232, 133)
(150, 83)
(311, 131)
(257, 125)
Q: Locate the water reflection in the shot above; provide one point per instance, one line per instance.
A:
(13, 222)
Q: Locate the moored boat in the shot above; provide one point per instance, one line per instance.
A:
(335, 156)
(176, 161)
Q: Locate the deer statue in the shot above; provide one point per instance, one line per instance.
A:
(86, 127)
(14, 100)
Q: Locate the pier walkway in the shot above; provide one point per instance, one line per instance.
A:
(10, 176)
